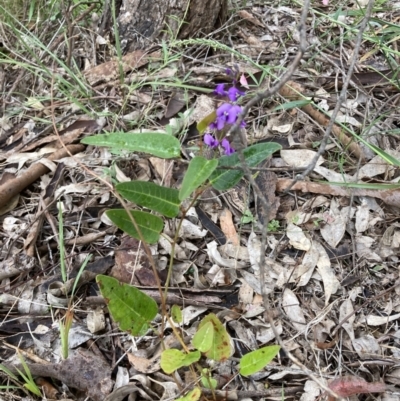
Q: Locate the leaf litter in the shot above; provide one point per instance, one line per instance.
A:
(217, 255)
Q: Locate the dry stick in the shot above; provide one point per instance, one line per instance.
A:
(341, 99)
(15, 186)
(247, 172)
(293, 91)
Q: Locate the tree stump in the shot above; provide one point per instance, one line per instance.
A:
(142, 22)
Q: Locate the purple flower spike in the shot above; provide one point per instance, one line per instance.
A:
(219, 90)
(227, 147)
(210, 141)
(234, 94)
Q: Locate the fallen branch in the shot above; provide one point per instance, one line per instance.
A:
(293, 91)
(12, 188)
(389, 196)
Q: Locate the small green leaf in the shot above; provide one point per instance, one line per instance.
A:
(221, 347)
(204, 337)
(207, 381)
(193, 395)
(132, 309)
(150, 226)
(256, 360)
(198, 171)
(155, 197)
(173, 359)
(224, 179)
(206, 121)
(154, 143)
(176, 314)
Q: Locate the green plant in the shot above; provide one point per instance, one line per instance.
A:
(29, 383)
(273, 225)
(66, 324)
(131, 308)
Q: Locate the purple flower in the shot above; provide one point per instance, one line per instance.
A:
(227, 147)
(210, 141)
(219, 90)
(226, 114)
(234, 94)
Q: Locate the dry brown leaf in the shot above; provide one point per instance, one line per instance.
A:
(109, 70)
(250, 17)
(347, 386)
(227, 227)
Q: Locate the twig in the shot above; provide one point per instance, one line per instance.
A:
(341, 98)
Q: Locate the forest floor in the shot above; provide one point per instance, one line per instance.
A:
(315, 277)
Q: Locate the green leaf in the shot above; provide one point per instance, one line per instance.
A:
(132, 309)
(155, 197)
(193, 395)
(150, 226)
(173, 359)
(207, 381)
(198, 171)
(256, 360)
(204, 337)
(221, 347)
(292, 105)
(206, 121)
(176, 314)
(224, 179)
(157, 144)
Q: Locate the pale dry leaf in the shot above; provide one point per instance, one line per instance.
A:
(363, 248)
(362, 218)
(312, 391)
(119, 175)
(372, 320)
(216, 257)
(203, 106)
(297, 238)
(376, 166)
(235, 252)
(293, 310)
(346, 311)
(122, 378)
(254, 282)
(292, 370)
(78, 188)
(245, 295)
(282, 129)
(190, 230)
(367, 347)
(144, 365)
(306, 269)
(335, 225)
(298, 216)
(333, 176)
(331, 283)
(254, 247)
(299, 158)
(265, 334)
